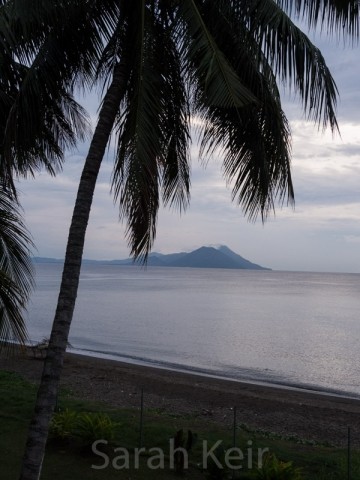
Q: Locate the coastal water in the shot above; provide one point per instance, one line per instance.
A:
(285, 328)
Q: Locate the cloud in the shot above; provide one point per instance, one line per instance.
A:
(322, 233)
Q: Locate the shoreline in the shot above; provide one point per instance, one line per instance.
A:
(302, 388)
(307, 415)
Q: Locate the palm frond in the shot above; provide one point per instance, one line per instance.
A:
(12, 325)
(16, 271)
(254, 140)
(38, 119)
(153, 135)
(336, 16)
(255, 145)
(48, 50)
(211, 74)
(294, 60)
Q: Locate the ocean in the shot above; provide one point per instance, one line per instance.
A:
(292, 329)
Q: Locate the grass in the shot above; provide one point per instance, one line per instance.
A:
(71, 460)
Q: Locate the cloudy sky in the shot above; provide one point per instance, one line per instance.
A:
(322, 233)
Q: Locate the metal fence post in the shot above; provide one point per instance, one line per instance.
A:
(234, 437)
(349, 455)
(141, 418)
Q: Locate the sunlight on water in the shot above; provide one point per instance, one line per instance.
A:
(283, 327)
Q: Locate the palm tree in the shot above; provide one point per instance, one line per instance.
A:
(162, 62)
(33, 134)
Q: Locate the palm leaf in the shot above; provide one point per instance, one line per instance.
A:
(293, 58)
(48, 48)
(211, 74)
(16, 271)
(152, 157)
(12, 325)
(254, 140)
(336, 16)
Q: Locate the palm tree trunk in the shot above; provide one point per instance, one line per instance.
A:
(47, 393)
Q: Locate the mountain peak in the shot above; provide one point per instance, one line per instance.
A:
(217, 246)
(219, 256)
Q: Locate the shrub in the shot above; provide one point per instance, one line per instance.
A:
(63, 425)
(96, 426)
(85, 427)
(274, 469)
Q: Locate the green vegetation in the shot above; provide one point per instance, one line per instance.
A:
(275, 469)
(67, 426)
(77, 424)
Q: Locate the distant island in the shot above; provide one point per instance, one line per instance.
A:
(203, 257)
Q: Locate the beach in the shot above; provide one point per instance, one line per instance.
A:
(290, 413)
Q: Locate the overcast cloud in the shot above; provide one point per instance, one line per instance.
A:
(322, 233)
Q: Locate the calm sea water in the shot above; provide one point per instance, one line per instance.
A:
(286, 328)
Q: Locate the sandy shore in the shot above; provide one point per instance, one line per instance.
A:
(309, 416)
